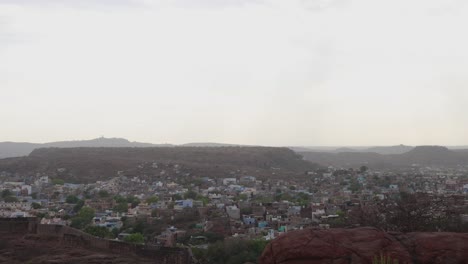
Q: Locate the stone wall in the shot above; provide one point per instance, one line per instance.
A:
(18, 225)
(75, 237)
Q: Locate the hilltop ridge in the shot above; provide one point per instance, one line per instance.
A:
(18, 149)
(420, 155)
(91, 164)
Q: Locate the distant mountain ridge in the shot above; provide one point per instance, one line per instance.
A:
(398, 149)
(16, 149)
(209, 144)
(421, 155)
(91, 164)
(19, 149)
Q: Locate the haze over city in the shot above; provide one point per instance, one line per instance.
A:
(266, 72)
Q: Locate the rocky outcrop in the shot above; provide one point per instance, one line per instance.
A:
(23, 240)
(361, 245)
(32, 248)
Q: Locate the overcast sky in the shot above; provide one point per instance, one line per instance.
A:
(267, 72)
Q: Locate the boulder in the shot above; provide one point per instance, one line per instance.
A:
(362, 245)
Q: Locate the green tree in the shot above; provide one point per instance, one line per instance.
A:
(78, 206)
(246, 210)
(234, 251)
(340, 221)
(363, 169)
(71, 199)
(121, 207)
(354, 186)
(133, 201)
(83, 218)
(36, 206)
(58, 181)
(154, 213)
(6, 193)
(115, 232)
(302, 199)
(10, 199)
(135, 238)
(78, 222)
(205, 200)
(197, 182)
(55, 195)
(152, 199)
(99, 231)
(119, 199)
(41, 215)
(243, 197)
(86, 213)
(284, 197)
(190, 195)
(211, 237)
(176, 197)
(139, 227)
(103, 194)
(264, 199)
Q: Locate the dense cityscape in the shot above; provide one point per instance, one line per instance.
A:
(165, 205)
(233, 132)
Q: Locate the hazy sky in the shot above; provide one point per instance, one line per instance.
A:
(270, 72)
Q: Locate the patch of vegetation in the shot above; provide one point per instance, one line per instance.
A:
(152, 199)
(83, 218)
(99, 231)
(382, 259)
(71, 199)
(103, 193)
(232, 251)
(135, 238)
(58, 182)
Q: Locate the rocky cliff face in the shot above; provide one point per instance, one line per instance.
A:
(31, 248)
(361, 245)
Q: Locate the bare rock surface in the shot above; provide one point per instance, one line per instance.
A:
(361, 245)
(49, 250)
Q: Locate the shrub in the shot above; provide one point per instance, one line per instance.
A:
(99, 231)
(382, 259)
(135, 238)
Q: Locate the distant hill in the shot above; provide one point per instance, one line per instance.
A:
(14, 149)
(91, 164)
(19, 149)
(422, 155)
(344, 149)
(390, 149)
(99, 142)
(208, 144)
(432, 155)
(399, 149)
(345, 159)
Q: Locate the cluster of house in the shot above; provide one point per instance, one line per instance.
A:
(237, 205)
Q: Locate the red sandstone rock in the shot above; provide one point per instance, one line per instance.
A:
(360, 245)
(18, 248)
(437, 247)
